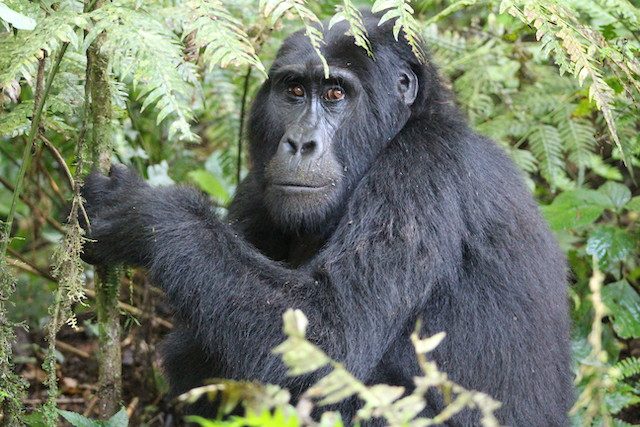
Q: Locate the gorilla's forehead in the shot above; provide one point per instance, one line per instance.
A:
(339, 50)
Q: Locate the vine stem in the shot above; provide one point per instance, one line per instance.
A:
(26, 154)
(243, 109)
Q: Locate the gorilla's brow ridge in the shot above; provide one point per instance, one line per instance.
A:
(313, 71)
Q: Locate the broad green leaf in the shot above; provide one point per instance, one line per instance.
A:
(210, 185)
(17, 20)
(623, 303)
(120, 419)
(78, 420)
(617, 194)
(634, 204)
(574, 209)
(610, 245)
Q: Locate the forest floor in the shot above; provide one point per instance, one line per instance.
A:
(144, 387)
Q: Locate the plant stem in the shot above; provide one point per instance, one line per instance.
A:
(40, 98)
(243, 108)
(107, 277)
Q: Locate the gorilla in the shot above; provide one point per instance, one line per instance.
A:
(370, 205)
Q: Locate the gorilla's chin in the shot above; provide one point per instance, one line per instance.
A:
(300, 208)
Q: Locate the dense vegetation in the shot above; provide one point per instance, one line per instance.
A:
(164, 87)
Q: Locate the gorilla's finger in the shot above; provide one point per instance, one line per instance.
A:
(95, 187)
(119, 172)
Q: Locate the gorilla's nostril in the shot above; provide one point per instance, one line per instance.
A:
(291, 146)
(308, 147)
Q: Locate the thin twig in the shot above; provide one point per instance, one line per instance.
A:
(71, 349)
(56, 154)
(243, 107)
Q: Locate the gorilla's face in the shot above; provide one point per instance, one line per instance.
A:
(313, 137)
(304, 178)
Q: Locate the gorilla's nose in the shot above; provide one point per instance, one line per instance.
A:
(305, 148)
(301, 143)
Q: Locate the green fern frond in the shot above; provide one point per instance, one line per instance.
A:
(150, 55)
(560, 32)
(11, 16)
(402, 12)
(222, 36)
(348, 12)
(449, 10)
(275, 9)
(20, 53)
(546, 144)
(626, 368)
(621, 8)
(585, 67)
(524, 159)
(445, 45)
(17, 121)
(578, 137)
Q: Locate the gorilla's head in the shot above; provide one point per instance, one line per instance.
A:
(313, 138)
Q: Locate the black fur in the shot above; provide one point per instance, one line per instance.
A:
(430, 221)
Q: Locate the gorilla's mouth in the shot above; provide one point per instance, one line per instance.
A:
(299, 186)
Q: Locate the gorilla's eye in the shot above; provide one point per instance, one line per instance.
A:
(334, 94)
(296, 90)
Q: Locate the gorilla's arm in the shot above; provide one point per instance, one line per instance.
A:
(358, 292)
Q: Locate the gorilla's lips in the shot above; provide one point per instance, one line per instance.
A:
(299, 186)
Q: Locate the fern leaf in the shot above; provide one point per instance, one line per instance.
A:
(524, 159)
(578, 138)
(146, 52)
(402, 12)
(349, 13)
(546, 144)
(221, 35)
(17, 121)
(11, 18)
(275, 9)
(20, 53)
(599, 91)
(559, 29)
(626, 368)
(623, 9)
(452, 8)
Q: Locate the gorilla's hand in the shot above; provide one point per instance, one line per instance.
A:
(119, 227)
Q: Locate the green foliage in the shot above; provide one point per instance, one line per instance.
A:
(402, 13)
(275, 9)
(211, 185)
(15, 19)
(120, 419)
(20, 52)
(220, 34)
(348, 12)
(256, 399)
(580, 50)
(148, 53)
(623, 303)
(556, 83)
(379, 401)
(275, 418)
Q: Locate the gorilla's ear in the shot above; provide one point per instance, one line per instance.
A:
(408, 86)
